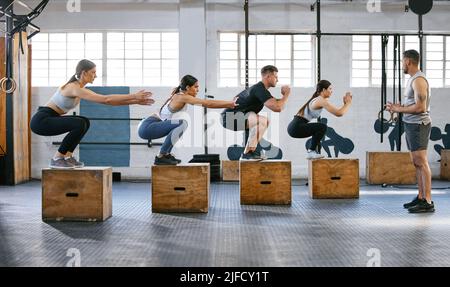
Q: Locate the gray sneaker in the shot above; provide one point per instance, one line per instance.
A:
(60, 163)
(74, 162)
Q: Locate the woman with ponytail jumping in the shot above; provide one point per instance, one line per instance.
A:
(49, 119)
(300, 126)
(166, 124)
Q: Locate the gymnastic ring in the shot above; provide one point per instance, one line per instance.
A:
(3, 83)
(391, 118)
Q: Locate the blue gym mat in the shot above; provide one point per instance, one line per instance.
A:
(106, 131)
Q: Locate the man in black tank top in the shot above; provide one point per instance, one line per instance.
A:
(244, 117)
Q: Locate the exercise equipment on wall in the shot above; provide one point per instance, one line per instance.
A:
(14, 118)
(420, 7)
(16, 24)
(385, 119)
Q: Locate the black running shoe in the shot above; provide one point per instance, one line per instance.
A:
(164, 161)
(422, 207)
(173, 158)
(412, 203)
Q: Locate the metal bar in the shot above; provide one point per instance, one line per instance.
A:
(382, 33)
(34, 27)
(345, 34)
(7, 14)
(318, 59)
(24, 5)
(247, 35)
(384, 43)
(318, 36)
(421, 41)
(24, 21)
(400, 118)
(7, 162)
(114, 143)
(205, 110)
(382, 86)
(394, 70)
(33, 34)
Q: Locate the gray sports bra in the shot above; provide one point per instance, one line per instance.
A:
(63, 102)
(311, 114)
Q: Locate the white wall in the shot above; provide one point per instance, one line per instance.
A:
(187, 18)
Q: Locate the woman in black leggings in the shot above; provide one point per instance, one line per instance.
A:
(49, 119)
(301, 127)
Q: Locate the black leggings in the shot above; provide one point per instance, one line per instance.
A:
(47, 122)
(300, 128)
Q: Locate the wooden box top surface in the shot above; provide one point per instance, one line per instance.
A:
(182, 165)
(86, 168)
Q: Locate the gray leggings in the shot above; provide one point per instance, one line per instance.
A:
(154, 128)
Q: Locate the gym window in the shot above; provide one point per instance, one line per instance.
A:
(55, 56)
(291, 54)
(366, 60)
(360, 61)
(447, 61)
(142, 59)
(131, 59)
(434, 66)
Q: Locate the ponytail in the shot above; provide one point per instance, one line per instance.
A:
(71, 80)
(301, 112)
(186, 81)
(321, 85)
(176, 90)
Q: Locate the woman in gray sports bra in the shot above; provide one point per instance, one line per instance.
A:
(49, 119)
(301, 127)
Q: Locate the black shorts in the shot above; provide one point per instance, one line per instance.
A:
(417, 136)
(235, 121)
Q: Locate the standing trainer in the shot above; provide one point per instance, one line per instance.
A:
(417, 120)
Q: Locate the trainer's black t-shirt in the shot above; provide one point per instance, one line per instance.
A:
(251, 100)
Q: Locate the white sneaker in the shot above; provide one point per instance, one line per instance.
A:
(312, 154)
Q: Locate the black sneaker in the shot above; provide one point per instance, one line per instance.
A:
(412, 203)
(164, 161)
(252, 156)
(173, 158)
(422, 207)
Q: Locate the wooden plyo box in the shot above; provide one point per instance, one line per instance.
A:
(390, 168)
(230, 170)
(265, 182)
(82, 194)
(333, 178)
(445, 164)
(180, 188)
